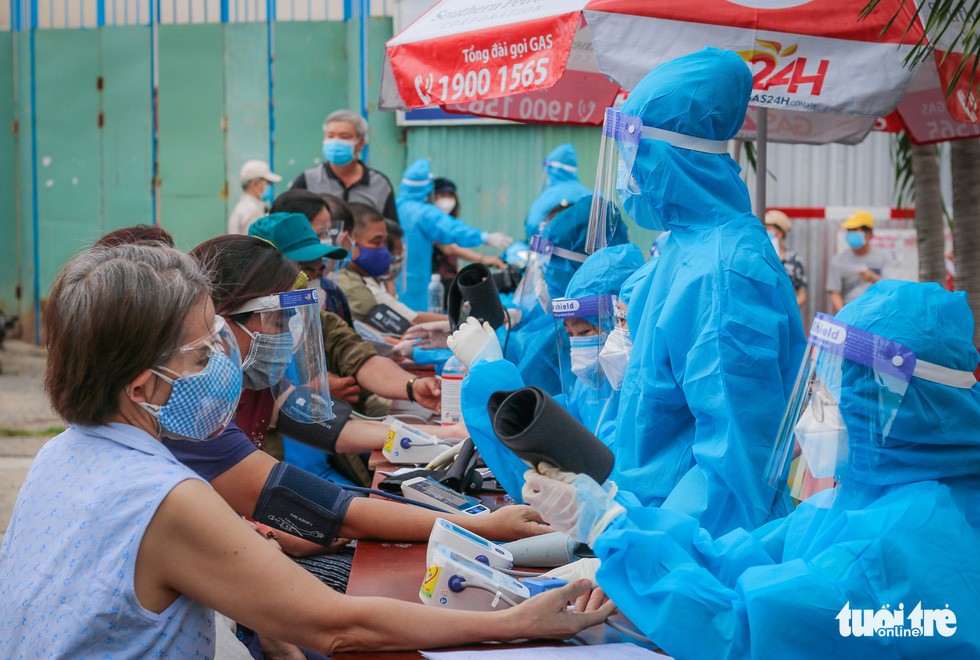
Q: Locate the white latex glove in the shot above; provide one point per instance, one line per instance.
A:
(432, 334)
(497, 239)
(577, 570)
(473, 343)
(571, 503)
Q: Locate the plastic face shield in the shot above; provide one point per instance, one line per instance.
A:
(532, 291)
(617, 150)
(582, 325)
(302, 392)
(617, 193)
(842, 407)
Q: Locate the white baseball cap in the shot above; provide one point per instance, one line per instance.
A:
(258, 169)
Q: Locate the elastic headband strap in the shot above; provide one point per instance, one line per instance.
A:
(936, 373)
(686, 141)
(568, 254)
(561, 166)
(418, 184)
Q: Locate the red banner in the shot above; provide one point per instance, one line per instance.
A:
(484, 64)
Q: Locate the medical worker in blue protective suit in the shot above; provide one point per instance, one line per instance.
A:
(531, 344)
(901, 533)
(717, 336)
(479, 349)
(603, 273)
(424, 225)
(561, 167)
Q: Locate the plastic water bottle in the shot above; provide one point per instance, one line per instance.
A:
(452, 390)
(436, 294)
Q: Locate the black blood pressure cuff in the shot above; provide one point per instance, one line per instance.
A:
(507, 279)
(532, 425)
(321, 435)
(384, 318)
(298, 503)
(475, 285)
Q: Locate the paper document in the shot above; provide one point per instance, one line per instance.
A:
(594, 652)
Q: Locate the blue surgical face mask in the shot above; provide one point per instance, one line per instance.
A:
(267, 360)
(373, 261)
(267, 196)
(201, 405)
(855, 239)
(338, 152)
(585, 358)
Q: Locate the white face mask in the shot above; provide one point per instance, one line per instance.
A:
(822, 436)
(774, 240)
(446, 204)
(615, 355)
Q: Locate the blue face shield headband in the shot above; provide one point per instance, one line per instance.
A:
(206, 380)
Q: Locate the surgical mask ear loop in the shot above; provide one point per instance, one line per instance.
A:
(148, 408)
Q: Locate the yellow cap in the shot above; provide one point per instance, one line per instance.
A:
(779, 219)
(860, 220)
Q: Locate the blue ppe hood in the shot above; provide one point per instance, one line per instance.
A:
(629, 286)
(417, 182)
(568, 230)
(563, 154)
(605, 271)
(563, 187)
(705, 95)
(935, 431)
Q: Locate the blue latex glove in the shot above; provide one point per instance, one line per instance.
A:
(571, 503)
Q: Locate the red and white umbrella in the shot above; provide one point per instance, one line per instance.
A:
(823, 75)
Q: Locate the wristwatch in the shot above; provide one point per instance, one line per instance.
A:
(408, 389)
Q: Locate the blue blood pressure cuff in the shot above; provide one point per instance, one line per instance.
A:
(298, 503)
(319, 435)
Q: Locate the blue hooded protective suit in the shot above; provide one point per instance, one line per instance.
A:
(602, 273)
(531, 344)
(717, 335)
(561, 166)
(424, 225)
(903, 533)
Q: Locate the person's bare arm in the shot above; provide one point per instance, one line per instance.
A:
(344, 387)
(196, 545)
(801, 297)
(836, 301)
(454, 250)
(385, 378)
(428, 317)
(371, 518)
(241, 485)
(364, 435)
